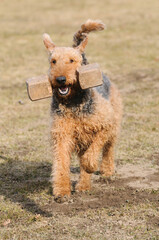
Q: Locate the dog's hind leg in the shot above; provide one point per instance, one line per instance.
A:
(84, 183)
(107, 164)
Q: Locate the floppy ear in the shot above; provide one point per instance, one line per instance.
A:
(48, 42)
(83, 44)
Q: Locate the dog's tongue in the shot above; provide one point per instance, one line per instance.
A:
(63, 88)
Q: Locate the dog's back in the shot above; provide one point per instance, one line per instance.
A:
(104, 89)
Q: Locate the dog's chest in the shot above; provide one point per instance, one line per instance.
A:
(84, 130)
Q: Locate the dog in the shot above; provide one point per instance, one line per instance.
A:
(85, 121)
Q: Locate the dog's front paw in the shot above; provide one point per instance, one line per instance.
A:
(61, 199)
(89, 164)
(61, 195)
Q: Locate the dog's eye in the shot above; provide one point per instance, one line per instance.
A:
(54, 61)
(71, 60)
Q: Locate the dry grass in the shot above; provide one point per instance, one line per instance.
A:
(127, 52)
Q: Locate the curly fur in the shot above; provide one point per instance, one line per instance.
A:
(83, 121)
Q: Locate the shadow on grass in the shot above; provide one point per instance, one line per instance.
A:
(18, 179)
(27, 183)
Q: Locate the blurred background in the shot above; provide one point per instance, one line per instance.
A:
(127, 51)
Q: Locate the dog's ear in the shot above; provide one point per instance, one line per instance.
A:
(48, 42)
(83, 44)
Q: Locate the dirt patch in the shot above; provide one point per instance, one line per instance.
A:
(96, 199)
(137, 176)
(153, 221)
(132, 185)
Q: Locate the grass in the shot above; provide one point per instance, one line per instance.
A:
(127, 52)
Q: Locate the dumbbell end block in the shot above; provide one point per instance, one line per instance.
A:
(38, 87)
(90, 76)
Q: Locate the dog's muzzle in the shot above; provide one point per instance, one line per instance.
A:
(62, 89)
(61, 80)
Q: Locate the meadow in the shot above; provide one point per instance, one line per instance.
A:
(127, 205)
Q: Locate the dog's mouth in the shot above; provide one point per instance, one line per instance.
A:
(63, 90)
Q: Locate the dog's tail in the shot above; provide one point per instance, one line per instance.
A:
(87, 27)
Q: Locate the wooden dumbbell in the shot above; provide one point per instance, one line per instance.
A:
(88, 76)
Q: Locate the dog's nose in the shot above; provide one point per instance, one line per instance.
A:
(61, 79)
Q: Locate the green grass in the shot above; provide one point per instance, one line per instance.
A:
(128, 52)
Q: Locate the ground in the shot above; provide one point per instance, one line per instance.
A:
(125, 207)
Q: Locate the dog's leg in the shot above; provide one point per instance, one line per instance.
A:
(62, 147)
(107, 165)
(84, 183)
(89, 159)
(61, 171)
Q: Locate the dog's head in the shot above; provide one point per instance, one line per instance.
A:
(64, 62)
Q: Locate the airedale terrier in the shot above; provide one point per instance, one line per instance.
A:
(83, 121)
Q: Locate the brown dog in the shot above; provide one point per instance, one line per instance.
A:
(83, 121)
